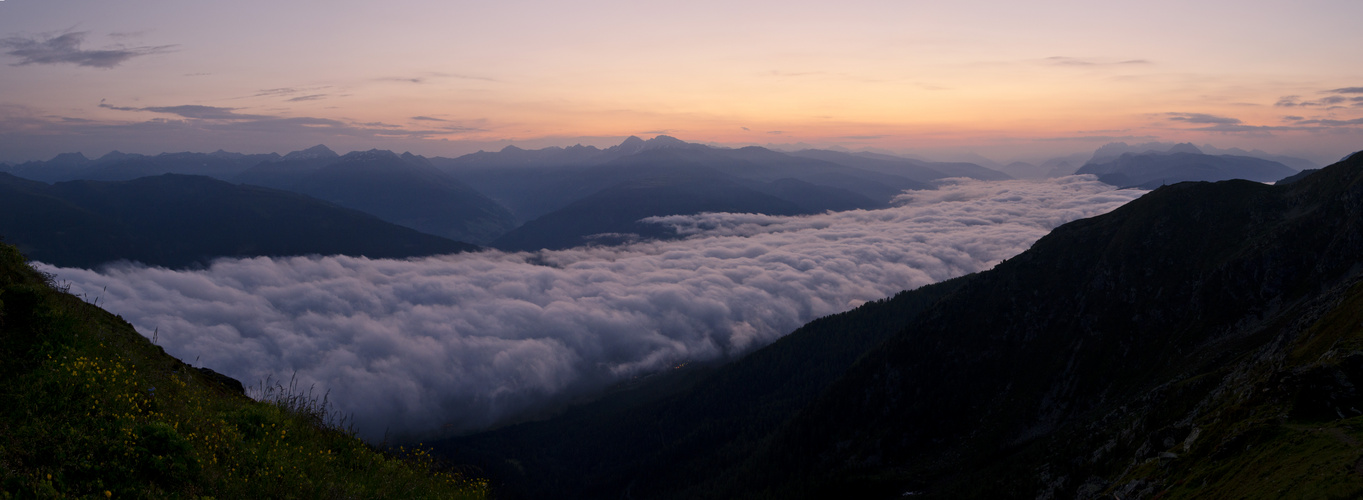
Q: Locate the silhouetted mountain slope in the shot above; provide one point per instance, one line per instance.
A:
(289, 170)
(219, 165)
(814, 198)
(407, 192)
(1296, 177)
(117, 166)
(177, 220)
(1112, 150)
(1203, 341)
(1151, 170)
(664, 432)
(1196, 315)
(611, 216)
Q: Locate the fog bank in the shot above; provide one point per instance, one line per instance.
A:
(458, 342)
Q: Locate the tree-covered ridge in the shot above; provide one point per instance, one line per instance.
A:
(91, 409)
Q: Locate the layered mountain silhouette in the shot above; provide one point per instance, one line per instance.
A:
(557, 196)
(612, 215)
(1201, 341)
(535, 183)
(1185, 162)
(180, 220)
(1112, 150)
(582, 194)
(117, 166)
(404, 190)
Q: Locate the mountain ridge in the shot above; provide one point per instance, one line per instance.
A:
(179, 220)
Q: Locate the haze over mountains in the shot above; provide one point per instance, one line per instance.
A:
(1185, 162)
(555, 198)
(178, 220)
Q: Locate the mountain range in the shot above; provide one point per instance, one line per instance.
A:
(554, 198)
(405, 190)
(1185, 162)
(178, 220)
(1203, 341)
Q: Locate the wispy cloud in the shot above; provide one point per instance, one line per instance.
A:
(1225, 124)
(1292, 101)
(1203, 118)
(427, 77)
(1348, 90)
(429, 119)
(1075, 61)
(1331, 123)
(191, 111)
(66, 49)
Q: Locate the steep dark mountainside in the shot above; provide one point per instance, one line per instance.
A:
(406, 191)
(1151, 170)
(180, 220)
(92, 409)
(1203, 341)
(1297, 176)
(666, 431)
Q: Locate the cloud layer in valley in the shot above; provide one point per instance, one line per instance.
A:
(460, 342)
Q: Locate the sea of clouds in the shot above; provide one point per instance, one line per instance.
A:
(459, 342)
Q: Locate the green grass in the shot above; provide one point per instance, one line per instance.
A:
(91, 409)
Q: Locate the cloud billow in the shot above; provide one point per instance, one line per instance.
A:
(65, 49)
(460, 342)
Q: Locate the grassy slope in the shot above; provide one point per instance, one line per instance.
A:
(90, 408)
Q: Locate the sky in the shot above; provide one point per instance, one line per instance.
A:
(1006, 80)
(455, 343)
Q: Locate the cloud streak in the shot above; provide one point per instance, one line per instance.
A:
(460, 342)
(66, 49)
(191, 111)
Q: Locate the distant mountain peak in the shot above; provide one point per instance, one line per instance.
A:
(665, 140)
(1185, 147)
(371, 155)
(315, 152)
(414, 159)
(69, 159)
(116, 155)
(632, 144)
